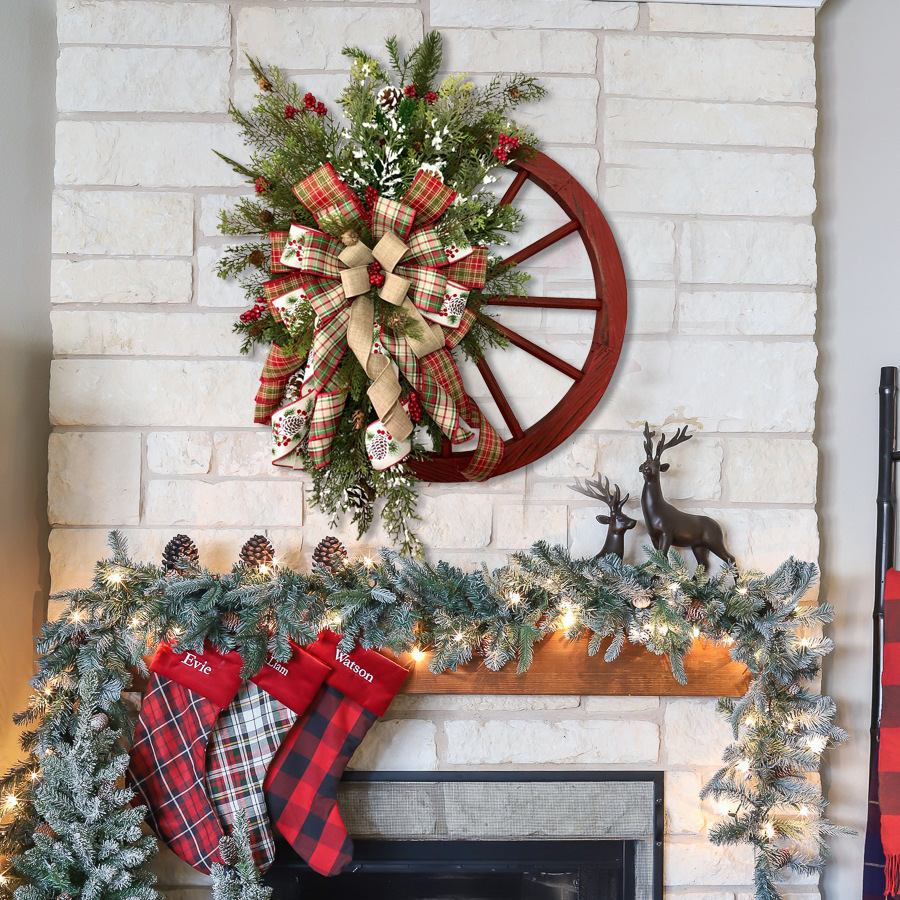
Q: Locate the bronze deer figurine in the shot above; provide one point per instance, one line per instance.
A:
(668, 526)
(618, 521)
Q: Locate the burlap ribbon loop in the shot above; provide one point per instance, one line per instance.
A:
(389, 251)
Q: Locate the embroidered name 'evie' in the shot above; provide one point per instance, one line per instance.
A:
(192, 662)
(345, 660)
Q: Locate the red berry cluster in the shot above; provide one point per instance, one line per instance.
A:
(261, 185)
(506, 143)
(312, 105)
(370, 196)
(255, 313)
(376, 277)
(430, 97)
(414, 407)
(409, 91)
(290, 111)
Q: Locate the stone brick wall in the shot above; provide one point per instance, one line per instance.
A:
(694, 126)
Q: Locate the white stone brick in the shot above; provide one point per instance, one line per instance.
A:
(210, 207)
(313, 38)
(247, 454)
(454, 520)
(212, 290)
(577, 456)
(651, 310)
(83, 332)
(770, 471)
(746, 312)
(586, 534)
(696, 733)
(689, 122)
(568, 112)
(518, 525)
(705, 182)
(153, 392)
(120, 281)
(740, 20)
(580, 14)
(123, 222)
(179, 452)
(82, 462)
(712, 392)
(223, 504)
(581, 162)
(112, 79)
(140, 22)
(688, 68)
(748, 253)
(708, 895)
(683, 813)
(398, 745)
(647, 247)
(620, 704)
(531, 742)
(480, 703)
(73, 552)
(150, 154)
(501, 50)
(763, 538)
(697, 861)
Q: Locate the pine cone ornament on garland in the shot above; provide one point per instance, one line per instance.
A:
(228, 851)
(257, 552)
(695, 611)
(358, 419)
(64, 896)
(180, 547)
(265, 85)
(780, 858)
(99, 721)
(107, 791)
(231, 621)
(388, 98)
(329, 553)
(46, 831)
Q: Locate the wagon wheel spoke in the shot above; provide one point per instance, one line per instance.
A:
(548, 240)
(591, 303)
(545, 356)
(514, 188)
(512, 423)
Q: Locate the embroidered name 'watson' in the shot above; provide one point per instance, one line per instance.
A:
(345, 660)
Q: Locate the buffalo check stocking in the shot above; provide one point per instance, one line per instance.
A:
(248, 733)
(302, 781)
(187, 692)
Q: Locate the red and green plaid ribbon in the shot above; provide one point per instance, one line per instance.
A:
(278, 368)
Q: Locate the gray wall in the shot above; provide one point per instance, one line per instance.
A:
(27, 112)
(859, 327)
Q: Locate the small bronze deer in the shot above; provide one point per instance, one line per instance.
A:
(618, 521)
(668, 526)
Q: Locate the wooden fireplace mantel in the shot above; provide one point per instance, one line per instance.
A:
(564, 667)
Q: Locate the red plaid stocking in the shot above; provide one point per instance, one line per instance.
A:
(245, 739)
(302, 781)
(187, 692)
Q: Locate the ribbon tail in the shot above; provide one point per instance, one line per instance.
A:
(489, 451)
(277, 369)
(326, 419)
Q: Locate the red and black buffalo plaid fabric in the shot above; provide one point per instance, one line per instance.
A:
(186, 693)
(302, 781)
(245, 739)
(889, 745)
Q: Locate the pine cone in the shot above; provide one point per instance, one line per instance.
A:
(180, 547)
(641, 602)
(783, 772)
(228, 851)
(695, 611)
(265, 85)
(358, 419)
(231, 621)
(794, 689)
(417, 146)
(514, 94)
(329, 553)
(266, 216)
(65, 895)
(107, 790)
(389, 98)
(99, 721)
(257, 552)
(293, 387)
(257, 258)
(46, 831)
(780, 858)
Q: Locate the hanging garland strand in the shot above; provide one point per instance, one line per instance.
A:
(87, 657)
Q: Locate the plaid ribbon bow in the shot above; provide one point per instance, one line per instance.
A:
(426, 280)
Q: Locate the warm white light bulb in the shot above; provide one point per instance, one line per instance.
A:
(743, 591)
(749, 721)
(368, 562)
(767, 831)
(11, 800)
(673, 587)
(695, 631)
(514, 599)
(743, 766)
(817, 743)
(76, 616)
(458, 636)
(417, 654)
(568, 619)
(263, 569)
(335, 619)
(804, 811)
(114, 578)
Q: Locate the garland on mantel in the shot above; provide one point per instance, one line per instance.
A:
(67, 837)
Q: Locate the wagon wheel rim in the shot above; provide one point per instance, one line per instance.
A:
(609, 304)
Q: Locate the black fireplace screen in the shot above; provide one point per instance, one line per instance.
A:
(492, 836)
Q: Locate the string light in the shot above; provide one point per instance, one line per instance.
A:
(804, 811)
(76, 616)
(695, 631)
(568, 619)
(11, 801)
(458, 636)
(817, 743)
(368, 562)
(743, 591)
(3, 879)
(673, 587)
(34, 775)
(663, 629)
(114, 578)
(804, 642)
(417, 654)
(743, 766)
(335, 619)
(750, 721)
(135, 622)
(263, 569)
(514, 599)
(790, 724)
(767, 831)
(728, 640)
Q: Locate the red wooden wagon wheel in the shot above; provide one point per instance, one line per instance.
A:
(609, 304)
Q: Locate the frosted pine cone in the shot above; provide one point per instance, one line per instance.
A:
(228, 850)
(389, 98)
(99, 721)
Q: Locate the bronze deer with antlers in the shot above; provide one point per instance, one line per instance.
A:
(618, 521)
(668, 526)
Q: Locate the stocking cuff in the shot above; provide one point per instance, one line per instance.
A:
(295, 682)
(214, 675)
(367, 677)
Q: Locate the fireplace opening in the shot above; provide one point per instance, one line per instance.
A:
(491, 836)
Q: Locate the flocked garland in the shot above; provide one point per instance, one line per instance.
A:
(411, 152)
(72, 837)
